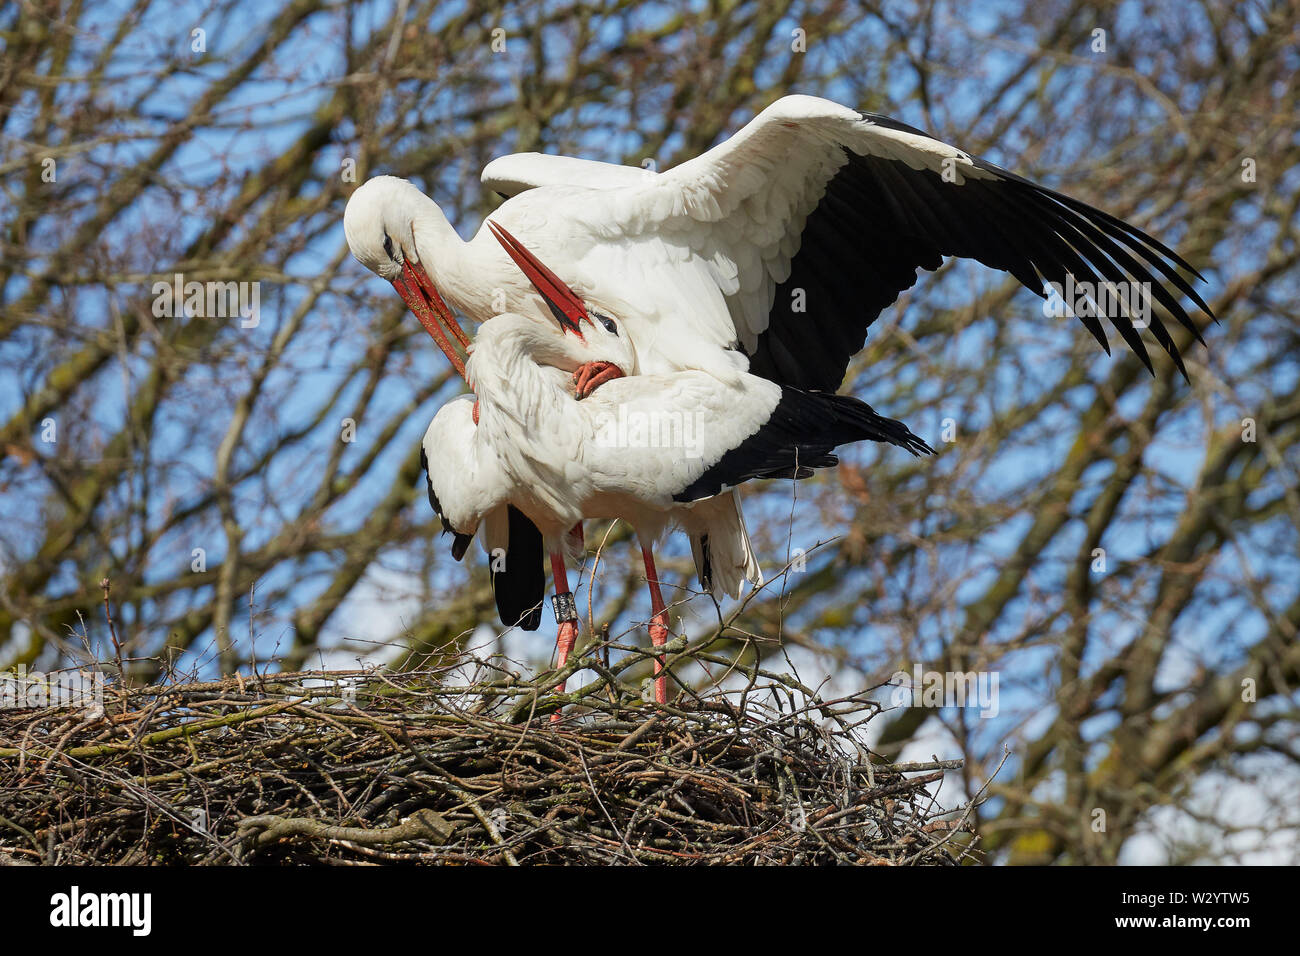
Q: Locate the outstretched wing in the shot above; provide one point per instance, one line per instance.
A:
(511, 175)
(846, 206)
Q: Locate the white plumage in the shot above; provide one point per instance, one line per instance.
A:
(650, 449)
(622, 452)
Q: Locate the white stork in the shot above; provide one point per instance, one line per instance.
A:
(534, 445)
(809, 195)
(715, 525)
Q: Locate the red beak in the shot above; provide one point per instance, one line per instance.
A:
(567, 308)
(421, 297)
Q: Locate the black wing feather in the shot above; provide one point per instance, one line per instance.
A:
(520, 587)
(460, 542)
(880, 220)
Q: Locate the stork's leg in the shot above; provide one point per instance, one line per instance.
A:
(658, 623)
(566, 617)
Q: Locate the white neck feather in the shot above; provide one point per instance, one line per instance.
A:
(446, 257)
(518, 397)
(527, 420)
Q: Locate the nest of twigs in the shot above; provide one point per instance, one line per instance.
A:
(461, 765)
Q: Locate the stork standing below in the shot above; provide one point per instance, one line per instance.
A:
(557, 458)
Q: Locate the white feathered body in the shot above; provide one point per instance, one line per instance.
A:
(622, 452)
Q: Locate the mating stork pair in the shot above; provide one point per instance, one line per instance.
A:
(735, 288)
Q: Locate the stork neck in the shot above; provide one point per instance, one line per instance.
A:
(510, 385)
(444, 256)
(529, 421)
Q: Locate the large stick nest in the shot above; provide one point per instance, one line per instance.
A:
(462, 765)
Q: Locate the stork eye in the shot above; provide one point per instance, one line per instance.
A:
(388, 246)
(610, 325)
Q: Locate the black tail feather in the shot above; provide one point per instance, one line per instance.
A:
(803, 430)
(520, 586)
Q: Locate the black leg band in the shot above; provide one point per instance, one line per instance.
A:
(565, 609)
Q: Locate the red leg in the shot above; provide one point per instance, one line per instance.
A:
(658, 623)
(566, 617)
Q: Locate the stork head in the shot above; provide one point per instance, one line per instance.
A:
(593, 347)
(381, 221)
(601, 353)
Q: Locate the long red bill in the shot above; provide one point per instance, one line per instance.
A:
(420, 296)
(431, 293)
(565, 304)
